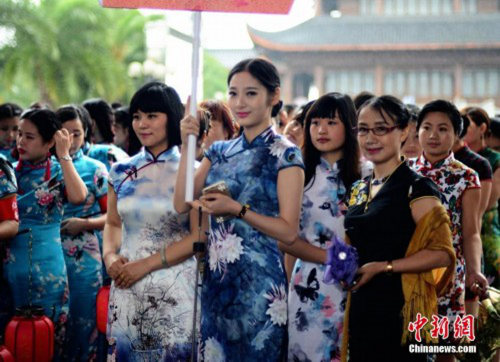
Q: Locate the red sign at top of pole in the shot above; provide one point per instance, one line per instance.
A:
(228, 6)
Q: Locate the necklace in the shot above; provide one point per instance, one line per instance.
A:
(380, 181)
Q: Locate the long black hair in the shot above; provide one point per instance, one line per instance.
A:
(159, 97)
(124, 118)
(265, 72)
(328, 106)
(102, 113)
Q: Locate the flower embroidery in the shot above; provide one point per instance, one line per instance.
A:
(225, 247)
(45, 197)
(279, 147)
(278, 307)
(213, 351)
(262, 336)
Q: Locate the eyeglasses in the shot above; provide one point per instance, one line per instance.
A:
(377, 131)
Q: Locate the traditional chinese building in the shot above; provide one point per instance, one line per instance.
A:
(417, 50)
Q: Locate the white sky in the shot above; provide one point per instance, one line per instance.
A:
(229, 31)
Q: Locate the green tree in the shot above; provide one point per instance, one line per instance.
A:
(214, 77)
(66, 51)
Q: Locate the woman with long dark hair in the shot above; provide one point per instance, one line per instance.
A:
(244, 293)
(331, 158)
(99, 136)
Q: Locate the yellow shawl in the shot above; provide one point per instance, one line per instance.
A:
(420, 289)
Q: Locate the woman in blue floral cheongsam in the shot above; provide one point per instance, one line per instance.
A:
(42, 186)
(152, 294)
(331, 158)
(80, 243)
(244, 293)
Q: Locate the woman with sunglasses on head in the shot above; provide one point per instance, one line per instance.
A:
(331, 158)
(82, 252)
(244, 293)
(35, 266)
(386, 222)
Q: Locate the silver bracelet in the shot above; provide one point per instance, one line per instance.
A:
(164, 262)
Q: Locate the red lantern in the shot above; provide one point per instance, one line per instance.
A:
(30, 335)
(5, 355)
(102, 308)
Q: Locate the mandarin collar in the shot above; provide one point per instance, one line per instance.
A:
(162, 156)
(425, 163)
(78, 154)
(325, 166)
(262, 139)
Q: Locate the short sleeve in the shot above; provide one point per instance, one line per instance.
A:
(113, 175)
(484, 170)
(423, 187)
(472, 179)
(101, 181)
(292, 157)
(213, 151)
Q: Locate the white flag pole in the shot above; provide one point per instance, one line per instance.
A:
(195, 70)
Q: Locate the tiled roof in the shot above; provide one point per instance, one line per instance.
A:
(325, 33)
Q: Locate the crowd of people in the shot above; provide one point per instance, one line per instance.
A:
(94, 194)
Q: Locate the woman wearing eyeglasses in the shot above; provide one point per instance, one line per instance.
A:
(400, 229)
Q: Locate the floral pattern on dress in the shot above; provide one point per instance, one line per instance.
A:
(316, 309)
(244, 309)
(83, 260)
(154, 317)
(452, 178)
(40, 212)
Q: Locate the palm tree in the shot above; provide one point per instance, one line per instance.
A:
(66, 51)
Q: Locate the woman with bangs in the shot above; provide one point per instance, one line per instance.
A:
(400, 229)
(152, 294)
(331, 158)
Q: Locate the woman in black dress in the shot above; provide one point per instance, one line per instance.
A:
(384, 210)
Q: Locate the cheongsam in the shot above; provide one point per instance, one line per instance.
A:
(244, 293)
(453, 179)
(316, 309)
(83, 261)
(7, 153)
(381, 230)
(40, 203)
(490, 232)
(8, 185)
(154, 317)
(107, 154)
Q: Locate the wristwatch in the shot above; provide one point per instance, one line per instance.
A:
(66, 158)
